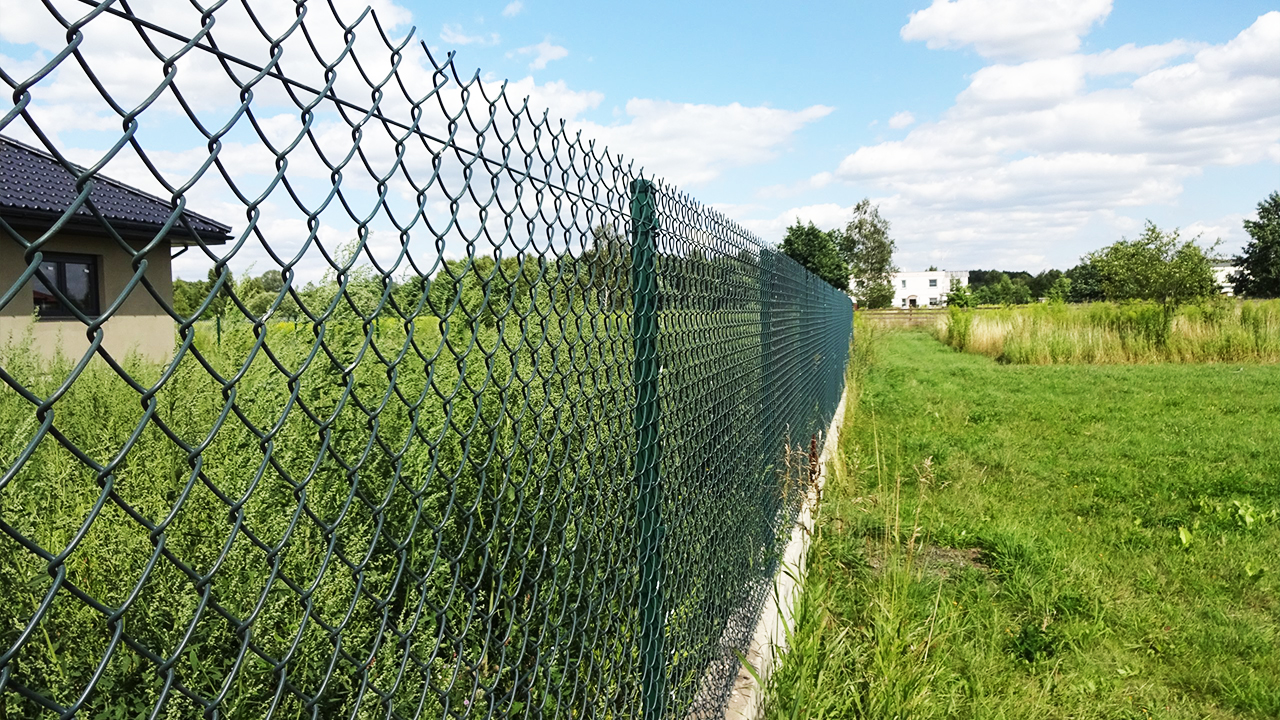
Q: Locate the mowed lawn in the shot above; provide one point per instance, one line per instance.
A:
(1044, 542)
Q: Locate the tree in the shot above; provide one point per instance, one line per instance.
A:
(998, 290)
(816, 251)
(867, 250)
(187, 296)
(606, 266)
(1086, 283)
(1156, 266)
(1259, 274)
(959, 295)
(979, 279)
(1060, 292)
(1042, 283)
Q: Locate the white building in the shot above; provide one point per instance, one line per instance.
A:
(1222, 273)
(925, 289)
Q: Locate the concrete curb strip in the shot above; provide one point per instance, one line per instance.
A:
(770, 638)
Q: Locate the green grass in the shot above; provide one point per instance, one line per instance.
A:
(1220, 330)
(1069, 541)
(368, 500)
(426, 519)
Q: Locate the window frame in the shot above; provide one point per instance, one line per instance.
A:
(61, 260)
(933, 282)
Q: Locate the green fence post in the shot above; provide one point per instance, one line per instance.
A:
(644, 331)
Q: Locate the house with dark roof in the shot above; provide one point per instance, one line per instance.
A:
(87, 260)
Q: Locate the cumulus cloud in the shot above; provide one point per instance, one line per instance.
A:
(1016, 29)
(691, 144)
(512, 9)
(543, 53)
(901, 120)
(1032, 153)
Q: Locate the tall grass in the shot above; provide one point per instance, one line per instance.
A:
(860, 643)
(1108, 333)
(323, 544)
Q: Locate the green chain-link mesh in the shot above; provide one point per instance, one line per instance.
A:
(504, 429)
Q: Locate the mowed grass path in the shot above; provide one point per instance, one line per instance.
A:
(1044, 542)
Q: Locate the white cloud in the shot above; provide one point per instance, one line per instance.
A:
(512, 9)
(555, 98)
(901, 120)
(1007, 28)
(544, 52)
(690, 144)
(452, 34)
(824, 215)
(1030, 153)
(1132, 59)
(1209, 231)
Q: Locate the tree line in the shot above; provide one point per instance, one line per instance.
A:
(1159, 266)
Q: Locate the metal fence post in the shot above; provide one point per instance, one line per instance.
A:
(644, 330)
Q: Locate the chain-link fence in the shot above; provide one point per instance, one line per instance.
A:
(460, 416)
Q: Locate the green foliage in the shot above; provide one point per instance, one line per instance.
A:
(867, 250)
(1042, 284)
(959, 327)
(422, 485)
(1060, 291)
(816, 251)
(385, 495)
(1000, 289)
(1259, 263)
(1156, 266)
(1086, 283)
(959, 295)
(1216, 330)
(1040, 571)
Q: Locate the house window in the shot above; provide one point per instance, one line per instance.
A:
(76, 276)
(933, 283)
(904, 283)
(933, 301)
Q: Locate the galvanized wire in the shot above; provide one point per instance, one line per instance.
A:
(504, 429)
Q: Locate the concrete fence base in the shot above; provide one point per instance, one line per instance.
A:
(770, 638)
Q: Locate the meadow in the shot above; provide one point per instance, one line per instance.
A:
(1137, 332)
(1019, 541)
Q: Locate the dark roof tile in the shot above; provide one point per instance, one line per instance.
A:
(35, 188)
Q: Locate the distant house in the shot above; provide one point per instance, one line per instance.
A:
(1222, 273)
(83, 261)
(925, 289)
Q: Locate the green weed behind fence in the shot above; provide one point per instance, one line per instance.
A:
(504, 435)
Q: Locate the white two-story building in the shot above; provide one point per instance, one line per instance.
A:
(925, 289)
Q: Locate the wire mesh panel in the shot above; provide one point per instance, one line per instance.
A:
(449, 412)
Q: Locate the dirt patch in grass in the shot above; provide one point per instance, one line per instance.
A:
(933, 560)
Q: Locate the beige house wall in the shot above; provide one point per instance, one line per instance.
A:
(139, 324)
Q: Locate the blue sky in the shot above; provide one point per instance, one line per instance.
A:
(1017, 134)
(857, 60)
